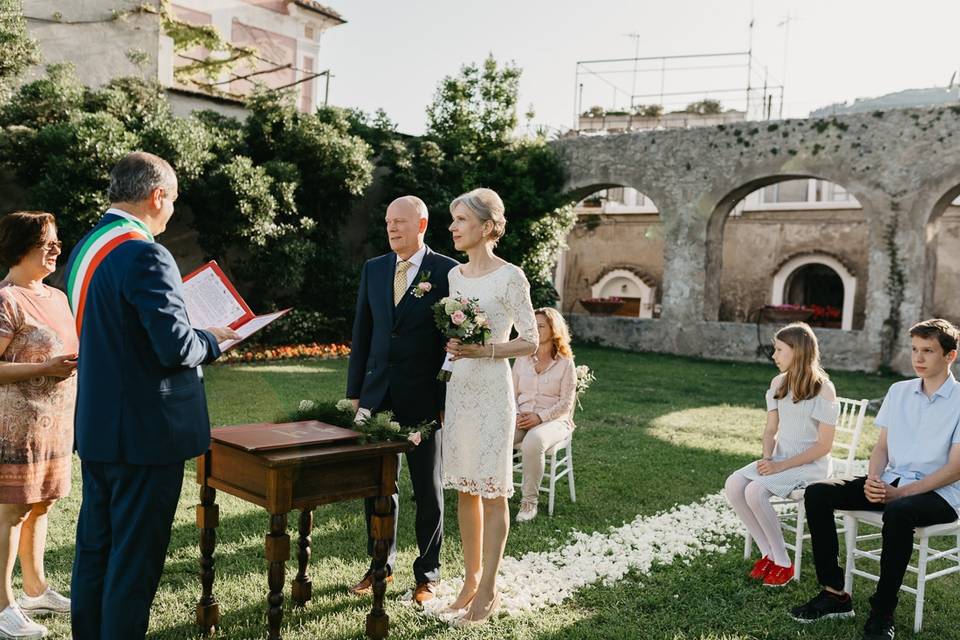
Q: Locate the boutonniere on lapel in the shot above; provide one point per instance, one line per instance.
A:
(423, 287)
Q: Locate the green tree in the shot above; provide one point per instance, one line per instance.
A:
(704, 107)
(269, 196)
(648, 110)
(17, 50)
(471, 142)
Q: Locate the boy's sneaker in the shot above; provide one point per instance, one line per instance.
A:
(760, 568)
(48, 602)
(878, 627)
(15, 625)
(824, 605)
(778, 576)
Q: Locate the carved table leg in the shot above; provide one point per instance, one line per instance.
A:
(208, 519)
(381, 529)
(302, 589)
(277, 548)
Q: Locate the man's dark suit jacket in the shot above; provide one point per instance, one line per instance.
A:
(397, 351)
(140, 396)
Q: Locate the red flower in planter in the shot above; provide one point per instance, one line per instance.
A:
(825, 312)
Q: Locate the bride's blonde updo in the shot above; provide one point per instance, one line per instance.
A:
(486, 205)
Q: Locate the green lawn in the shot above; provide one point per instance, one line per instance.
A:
(654, 431)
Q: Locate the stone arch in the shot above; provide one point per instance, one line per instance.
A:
(782, 277)
(612, 234)
(628, 283)
(940, 260)
(720, 215)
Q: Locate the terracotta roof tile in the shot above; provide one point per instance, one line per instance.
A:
(313, 5)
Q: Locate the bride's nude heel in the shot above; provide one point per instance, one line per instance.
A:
(450, 609)
(462, 621)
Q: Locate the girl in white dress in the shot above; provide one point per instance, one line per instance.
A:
(802, 412)
(481, 410)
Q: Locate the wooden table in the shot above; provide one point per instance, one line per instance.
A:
(301, 478)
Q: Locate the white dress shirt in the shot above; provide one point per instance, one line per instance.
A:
(416, 259)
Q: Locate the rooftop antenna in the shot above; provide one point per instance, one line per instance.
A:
(753, 6)
(636, 55)
(785, 23)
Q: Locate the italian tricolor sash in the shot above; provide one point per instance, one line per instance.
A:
(95, 248)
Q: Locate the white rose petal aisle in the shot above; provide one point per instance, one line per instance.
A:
(537, 580)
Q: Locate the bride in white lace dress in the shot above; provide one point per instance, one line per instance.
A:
(480, 408)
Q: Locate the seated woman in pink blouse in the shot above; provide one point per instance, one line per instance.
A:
(546, 387)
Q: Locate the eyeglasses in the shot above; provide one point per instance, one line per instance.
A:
(50, 247)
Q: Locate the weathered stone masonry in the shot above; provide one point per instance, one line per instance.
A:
(903, 166)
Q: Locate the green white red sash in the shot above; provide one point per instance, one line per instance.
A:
(96, 247)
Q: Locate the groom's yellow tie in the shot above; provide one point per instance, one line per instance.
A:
(400, 281)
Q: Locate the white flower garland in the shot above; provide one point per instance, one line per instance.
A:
(541, 579)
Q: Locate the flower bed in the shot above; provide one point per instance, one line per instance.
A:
(313, 350)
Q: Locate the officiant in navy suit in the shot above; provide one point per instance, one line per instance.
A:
(141, 409)
(395, 356)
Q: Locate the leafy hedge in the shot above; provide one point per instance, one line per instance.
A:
(471, 142)
(271, 195)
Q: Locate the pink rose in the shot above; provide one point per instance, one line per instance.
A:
(463, 300)
(425, 286)
(458, 317)
(415, 438)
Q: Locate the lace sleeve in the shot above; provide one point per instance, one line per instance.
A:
(520, 307)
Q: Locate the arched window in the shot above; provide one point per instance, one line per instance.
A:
(816, 279)
(618, 227)
(637, 294)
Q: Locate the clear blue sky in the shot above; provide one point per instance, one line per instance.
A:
(392, 53)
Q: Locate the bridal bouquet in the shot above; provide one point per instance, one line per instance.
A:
(460, 317)
(377, 427)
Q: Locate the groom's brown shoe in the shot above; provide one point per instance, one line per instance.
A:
(365, 586)
(424, 592)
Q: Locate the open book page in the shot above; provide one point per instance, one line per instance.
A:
(210, 302)
(250, 327)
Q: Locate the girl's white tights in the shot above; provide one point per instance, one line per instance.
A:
(752, 503)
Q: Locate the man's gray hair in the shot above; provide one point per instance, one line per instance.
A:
(137, 175)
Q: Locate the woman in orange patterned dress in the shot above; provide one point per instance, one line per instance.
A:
(38, 351)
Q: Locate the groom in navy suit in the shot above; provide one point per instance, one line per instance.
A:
(395, 356)
(141, 409)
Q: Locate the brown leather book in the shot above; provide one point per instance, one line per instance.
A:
(266, 436)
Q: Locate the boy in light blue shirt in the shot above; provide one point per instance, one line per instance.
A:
(914, 478)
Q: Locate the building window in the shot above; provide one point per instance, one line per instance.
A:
(615, 195)
(820, 282)
(832, 192)
(788, 191)
(309, 33)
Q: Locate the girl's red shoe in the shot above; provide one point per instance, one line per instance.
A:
(778, 576)
(760, 568)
